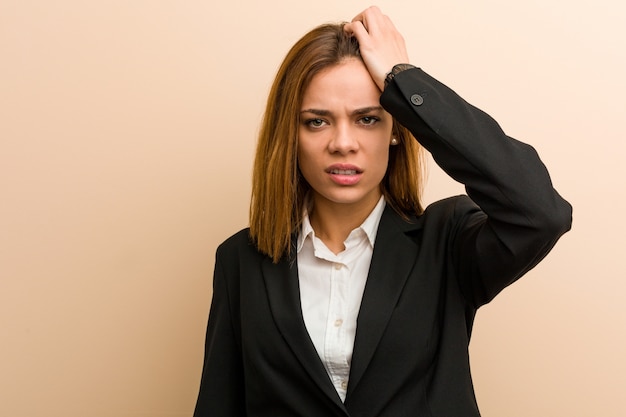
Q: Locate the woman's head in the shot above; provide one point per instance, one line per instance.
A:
(279, 188)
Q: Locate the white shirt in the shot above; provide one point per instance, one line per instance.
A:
(331, 289)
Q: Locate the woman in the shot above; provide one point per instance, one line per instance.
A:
(345, 297)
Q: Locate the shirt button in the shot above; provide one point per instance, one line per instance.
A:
(338, 266)
(338, 322)
(417, 99)
(344, 384)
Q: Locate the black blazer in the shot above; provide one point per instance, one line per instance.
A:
(427, 278)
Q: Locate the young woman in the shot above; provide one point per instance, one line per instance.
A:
(345, 297)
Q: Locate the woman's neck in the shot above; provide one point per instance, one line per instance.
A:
(333, 222)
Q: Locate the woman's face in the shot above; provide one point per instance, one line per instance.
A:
(344, 136)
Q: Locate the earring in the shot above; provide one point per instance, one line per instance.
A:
(394, 141)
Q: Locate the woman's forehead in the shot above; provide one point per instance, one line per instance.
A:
(345, 84)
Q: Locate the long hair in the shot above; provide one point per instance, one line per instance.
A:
(278, 188)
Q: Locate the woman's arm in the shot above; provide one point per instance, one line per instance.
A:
(221, 387)
(521, 216)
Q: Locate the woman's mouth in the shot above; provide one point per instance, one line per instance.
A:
(344, 174)
(343, 171)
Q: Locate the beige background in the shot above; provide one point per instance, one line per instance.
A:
(126, 137)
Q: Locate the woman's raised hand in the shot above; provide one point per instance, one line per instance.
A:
(381, 45)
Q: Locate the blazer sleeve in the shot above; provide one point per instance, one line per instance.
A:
(222, 385)
(519, 216)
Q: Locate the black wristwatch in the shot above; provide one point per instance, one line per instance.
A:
(397, 69)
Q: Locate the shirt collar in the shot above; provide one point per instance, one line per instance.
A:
(369, 226)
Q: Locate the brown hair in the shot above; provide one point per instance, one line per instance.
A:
(278, 188)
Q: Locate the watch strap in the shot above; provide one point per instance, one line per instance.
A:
(397, 69)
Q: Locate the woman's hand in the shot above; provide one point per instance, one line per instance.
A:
(381, 45)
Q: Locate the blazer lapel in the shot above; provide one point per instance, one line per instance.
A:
(392, 261)
(281, 282)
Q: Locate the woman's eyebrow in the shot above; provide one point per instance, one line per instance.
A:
(365, 110)
(317, 112)
(356, 112)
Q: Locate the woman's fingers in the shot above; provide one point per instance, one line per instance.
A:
(369, 18)
(381, 45)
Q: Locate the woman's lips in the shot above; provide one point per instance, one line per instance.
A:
(344, 174)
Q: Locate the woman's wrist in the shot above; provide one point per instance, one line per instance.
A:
(397, 69)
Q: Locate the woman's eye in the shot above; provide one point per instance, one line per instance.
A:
(315, 123)
(369, 120)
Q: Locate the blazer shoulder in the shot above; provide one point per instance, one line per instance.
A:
(440, 217)
(450, 209)
(236, 243)
(239, 238)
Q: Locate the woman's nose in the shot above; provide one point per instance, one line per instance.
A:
(344, 140)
